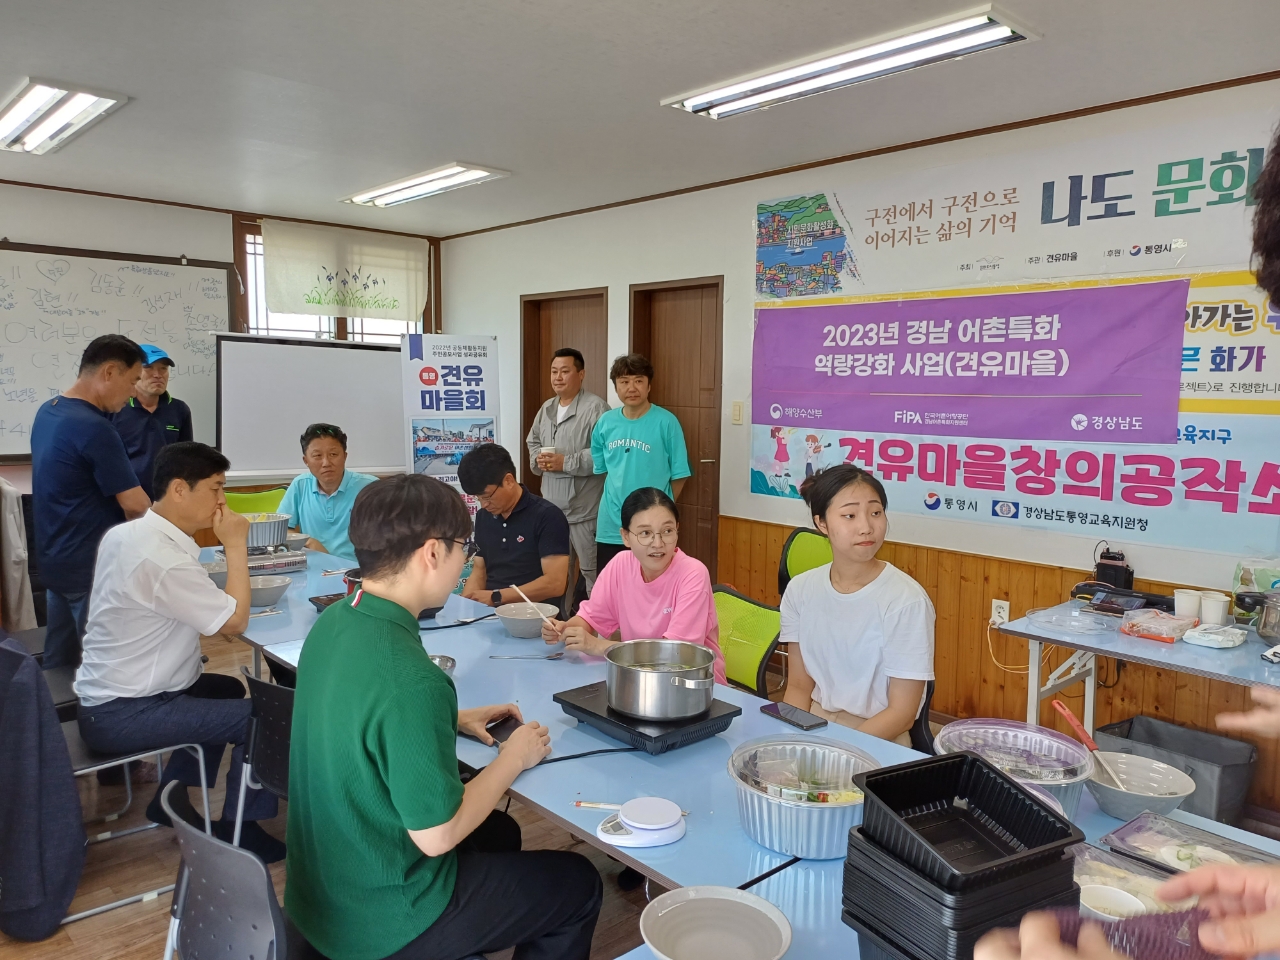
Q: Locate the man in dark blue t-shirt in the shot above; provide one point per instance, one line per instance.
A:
(521, 539)
(82, 485)
(151, 419)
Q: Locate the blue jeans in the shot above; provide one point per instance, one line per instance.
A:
(68, 614)
(211, 712)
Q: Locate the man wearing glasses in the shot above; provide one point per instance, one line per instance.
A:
(319, 502)
(521, 539)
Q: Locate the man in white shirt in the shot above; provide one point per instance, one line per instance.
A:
(140, 683)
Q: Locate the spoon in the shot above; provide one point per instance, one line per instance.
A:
(1087, 740)
(553, 656)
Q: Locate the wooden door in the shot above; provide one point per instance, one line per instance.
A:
(678, 327)
(576, 318)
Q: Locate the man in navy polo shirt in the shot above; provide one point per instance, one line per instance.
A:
(152, 419)
(521, 539)
(82, 485)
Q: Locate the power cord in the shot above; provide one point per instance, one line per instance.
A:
(589, 753)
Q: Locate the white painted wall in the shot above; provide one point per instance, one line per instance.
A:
(51, 218)
(712, 233)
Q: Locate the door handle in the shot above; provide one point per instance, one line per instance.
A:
(706, 461)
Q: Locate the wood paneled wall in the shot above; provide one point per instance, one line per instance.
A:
(969, 681)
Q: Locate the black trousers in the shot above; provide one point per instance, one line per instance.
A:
(606, 552)
(542, 902)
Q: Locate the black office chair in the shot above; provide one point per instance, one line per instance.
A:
(266, 756)
(224, 904)
(921, 733)
(65, 701)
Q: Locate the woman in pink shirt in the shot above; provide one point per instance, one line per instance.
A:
(650, 591)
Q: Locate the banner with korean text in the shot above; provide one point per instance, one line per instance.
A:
(1099, 224)
(1025, 366)
(450, 401)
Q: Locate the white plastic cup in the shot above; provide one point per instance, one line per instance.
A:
(1186, 603)
(1214, 607)
(546, 450)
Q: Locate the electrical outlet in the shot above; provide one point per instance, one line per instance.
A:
(999, 612)
(737, 411)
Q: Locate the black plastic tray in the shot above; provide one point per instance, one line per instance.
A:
(873, 945)
(937, 942)
(590, 704)
(869, 879)
(960, 821)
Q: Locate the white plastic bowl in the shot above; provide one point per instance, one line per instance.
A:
(714, 923)
(523, 621)
(266, 591)
(1149, 785)
(1105, 903)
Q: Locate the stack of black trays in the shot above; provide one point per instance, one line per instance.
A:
(950, 848)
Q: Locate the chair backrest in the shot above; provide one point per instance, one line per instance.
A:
(263, 501)
(230, 907)
(921, 733)
(748, 636)
(804, 550)
(272, 723)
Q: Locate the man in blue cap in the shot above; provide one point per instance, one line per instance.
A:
(152, 419)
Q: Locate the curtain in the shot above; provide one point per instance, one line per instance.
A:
(328, 271)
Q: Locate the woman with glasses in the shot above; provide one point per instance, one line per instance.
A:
(650, 591)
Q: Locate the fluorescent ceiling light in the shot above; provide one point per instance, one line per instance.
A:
(449, 177)
(43, 115)
(955, 37)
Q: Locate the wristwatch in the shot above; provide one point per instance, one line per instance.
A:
(496, 597)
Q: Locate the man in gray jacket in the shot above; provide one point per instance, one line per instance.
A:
(559, 445)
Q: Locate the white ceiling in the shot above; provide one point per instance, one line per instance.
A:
(284, 106)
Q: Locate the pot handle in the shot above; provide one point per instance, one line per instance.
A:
(693, 684)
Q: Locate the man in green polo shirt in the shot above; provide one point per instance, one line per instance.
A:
(390, 855)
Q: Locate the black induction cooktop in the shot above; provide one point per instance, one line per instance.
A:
(590, 704)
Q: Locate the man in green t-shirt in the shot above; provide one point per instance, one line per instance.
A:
(638, 445)
(390, 855)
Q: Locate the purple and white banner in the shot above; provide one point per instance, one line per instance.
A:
(1044, 365)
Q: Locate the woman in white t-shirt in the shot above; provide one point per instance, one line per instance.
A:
(861, 630)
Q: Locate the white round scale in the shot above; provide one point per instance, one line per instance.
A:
(643, 822)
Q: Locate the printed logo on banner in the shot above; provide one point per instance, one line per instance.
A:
(1005, 508)
(1079, 421)
(932, 501)
(775, 411)
(429, 376)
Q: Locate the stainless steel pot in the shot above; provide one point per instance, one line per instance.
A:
(1267, 606)
(660, 679)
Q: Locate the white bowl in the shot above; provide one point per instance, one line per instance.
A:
(1101, 902)
(295, 541)
(714, 923)
(522, 619)
(267, 591)
(1149, 785)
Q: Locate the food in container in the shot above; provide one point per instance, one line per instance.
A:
(660, 679)
(1156, 625)
(267, 529)
(1030, 754)
(1172, 845)
(796, 794)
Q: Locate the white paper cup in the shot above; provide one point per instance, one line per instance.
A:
(545, 450)
(1186, 603)
(1214, 607)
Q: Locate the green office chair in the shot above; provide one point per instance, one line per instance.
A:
(804, 550)
(748, 637)
(263, 501)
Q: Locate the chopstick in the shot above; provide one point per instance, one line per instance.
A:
(534, 605)
(265, 613)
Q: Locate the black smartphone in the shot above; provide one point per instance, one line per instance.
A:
(793, 715)
(500, 730)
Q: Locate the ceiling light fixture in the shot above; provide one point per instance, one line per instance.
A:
(43, 115)
(449, 177)
(948, 39)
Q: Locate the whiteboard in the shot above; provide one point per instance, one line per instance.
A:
(53, 302)
(271, 388)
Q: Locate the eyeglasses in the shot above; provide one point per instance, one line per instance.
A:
(469, 547)
(647, 538)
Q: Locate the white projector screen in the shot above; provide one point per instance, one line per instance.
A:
(271, 388)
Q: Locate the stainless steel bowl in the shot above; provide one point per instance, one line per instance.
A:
(447, 664)
(660, 679)
(267, 529)
(217, 571)
(772, 811)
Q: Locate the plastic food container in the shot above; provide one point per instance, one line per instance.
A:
(1158, 625)
(796, 794)
(960, 821)
(1175, 846)
(1094, 867)
(1030, 754)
